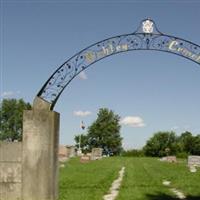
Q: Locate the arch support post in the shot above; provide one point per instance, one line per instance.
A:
(40, 152)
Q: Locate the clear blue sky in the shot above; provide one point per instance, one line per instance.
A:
(160, 88)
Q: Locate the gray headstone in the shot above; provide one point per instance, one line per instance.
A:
(194, 161)
(96, 153)
(85, 159)
(171, 159)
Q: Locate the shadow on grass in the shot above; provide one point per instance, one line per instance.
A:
(162, 196)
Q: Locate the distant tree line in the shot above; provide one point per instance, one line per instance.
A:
(104, 132)
(168, 143)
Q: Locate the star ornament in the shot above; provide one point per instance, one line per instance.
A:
(147, 26)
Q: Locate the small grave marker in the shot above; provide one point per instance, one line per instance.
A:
(171, 159)
(85, 159)
(62, 154)
(194, 161)
(96, 154)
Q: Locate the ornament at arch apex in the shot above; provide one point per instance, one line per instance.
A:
(147, 26)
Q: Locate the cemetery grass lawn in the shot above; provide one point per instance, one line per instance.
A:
(144, 176)
(85, 181)
(142, 180)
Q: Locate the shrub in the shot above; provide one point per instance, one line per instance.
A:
(133, 153)
(182, 155)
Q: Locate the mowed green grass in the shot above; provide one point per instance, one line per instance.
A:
(85, 181)
(144, 176)
(142, 181)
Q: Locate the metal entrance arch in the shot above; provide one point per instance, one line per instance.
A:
(146, 37)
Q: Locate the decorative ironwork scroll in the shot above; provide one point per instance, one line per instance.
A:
(147, 37)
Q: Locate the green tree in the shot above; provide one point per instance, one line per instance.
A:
(11, 117)
(196, 145)
(84, 142)
(105, 132)
(186, 142)
(161, 144)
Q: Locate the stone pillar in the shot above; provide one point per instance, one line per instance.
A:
(40, 153)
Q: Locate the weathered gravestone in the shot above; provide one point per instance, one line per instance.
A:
(194, 161)
(85, 159)
(171, 159)
(62, 154)
(96, 153)
(70, 151)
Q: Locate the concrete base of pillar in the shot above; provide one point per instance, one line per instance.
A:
(40, 155)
